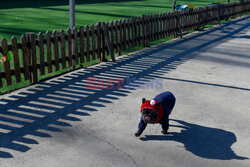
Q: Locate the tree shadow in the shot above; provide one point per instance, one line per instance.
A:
(202, 141)
(92, 13)
(43, 3)
(49, 106)
(164, 6)
(206, 83)
(17, 32)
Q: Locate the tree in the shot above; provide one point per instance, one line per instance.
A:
(72, 13)
(174, 3)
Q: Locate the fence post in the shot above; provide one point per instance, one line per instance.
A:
(102, 58)
(98, 40)
(179, 23)
(144, 31)
(93, 34)
(75, 47)
(56, 51)
(176, 22)
(63, 52)
(16, 59)
(247, 6)
(25, 56)
(218, 8)
(223, 11)
(41, 53)
(139, 30)
(117, 37)
(88, 44)
(120, 36)
(69, 35)
(110, 47)
(32, 60)
(128, 22)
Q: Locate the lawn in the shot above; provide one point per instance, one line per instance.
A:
(20, 16)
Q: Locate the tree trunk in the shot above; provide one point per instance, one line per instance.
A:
(174, 3)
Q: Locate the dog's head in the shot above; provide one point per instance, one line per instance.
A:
(149, 115)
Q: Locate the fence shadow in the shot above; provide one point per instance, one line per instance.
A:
(244, 37)
(205, 142)
(48, 106)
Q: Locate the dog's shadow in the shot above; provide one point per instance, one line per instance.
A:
(205, 142)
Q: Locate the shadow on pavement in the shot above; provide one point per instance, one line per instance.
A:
(205, 142)
(205, 83)
(49, 106)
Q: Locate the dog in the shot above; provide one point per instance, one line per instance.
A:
(156, 111)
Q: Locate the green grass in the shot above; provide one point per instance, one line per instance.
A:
(18, 17)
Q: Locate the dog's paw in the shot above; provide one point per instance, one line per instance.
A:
(137, 134)
(164, 132)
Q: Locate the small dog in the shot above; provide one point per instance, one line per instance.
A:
(156, 111)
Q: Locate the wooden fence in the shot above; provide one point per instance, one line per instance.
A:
(38, 55)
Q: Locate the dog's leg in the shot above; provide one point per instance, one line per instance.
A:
(141, 127)
(165, 126)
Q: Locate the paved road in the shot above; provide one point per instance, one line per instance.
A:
(61, 122)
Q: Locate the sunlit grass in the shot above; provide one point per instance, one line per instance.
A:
(18, 17)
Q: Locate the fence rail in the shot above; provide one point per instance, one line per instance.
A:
(41, 54)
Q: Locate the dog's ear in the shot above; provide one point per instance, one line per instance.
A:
(143, 100)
